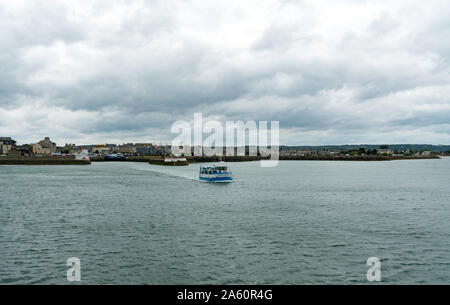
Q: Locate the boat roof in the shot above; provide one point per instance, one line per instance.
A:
(213, 166)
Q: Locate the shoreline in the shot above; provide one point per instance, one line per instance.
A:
(358, 158)
(42, 161)
(160, 161)
(204, 159)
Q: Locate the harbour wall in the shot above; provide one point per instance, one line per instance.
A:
(192, 159)
(42, 161)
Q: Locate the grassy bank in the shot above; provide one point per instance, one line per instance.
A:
(356, 158)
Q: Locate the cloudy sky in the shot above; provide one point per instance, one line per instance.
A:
(332, 72)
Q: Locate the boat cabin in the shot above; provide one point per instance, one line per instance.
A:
(212, 170)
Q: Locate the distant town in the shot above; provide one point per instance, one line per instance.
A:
(47, 148)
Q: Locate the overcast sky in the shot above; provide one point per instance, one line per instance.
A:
(332, 72)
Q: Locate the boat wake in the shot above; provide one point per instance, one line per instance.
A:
(185, 172)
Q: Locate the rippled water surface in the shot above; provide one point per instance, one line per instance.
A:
(298, 223)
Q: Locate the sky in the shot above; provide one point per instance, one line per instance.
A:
(331, 72)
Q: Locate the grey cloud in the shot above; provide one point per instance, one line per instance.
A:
(143, 65)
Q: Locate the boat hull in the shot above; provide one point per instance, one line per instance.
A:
(161, 162)
(215, 173)
(216, 179)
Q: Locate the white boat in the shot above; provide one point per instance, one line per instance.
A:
(83, 155)
(215, 173)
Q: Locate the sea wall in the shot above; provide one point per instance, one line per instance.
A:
(356, 158)
(224, 158)
(192, 159)
(128, 159)
(42, 161)
(310, 158)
